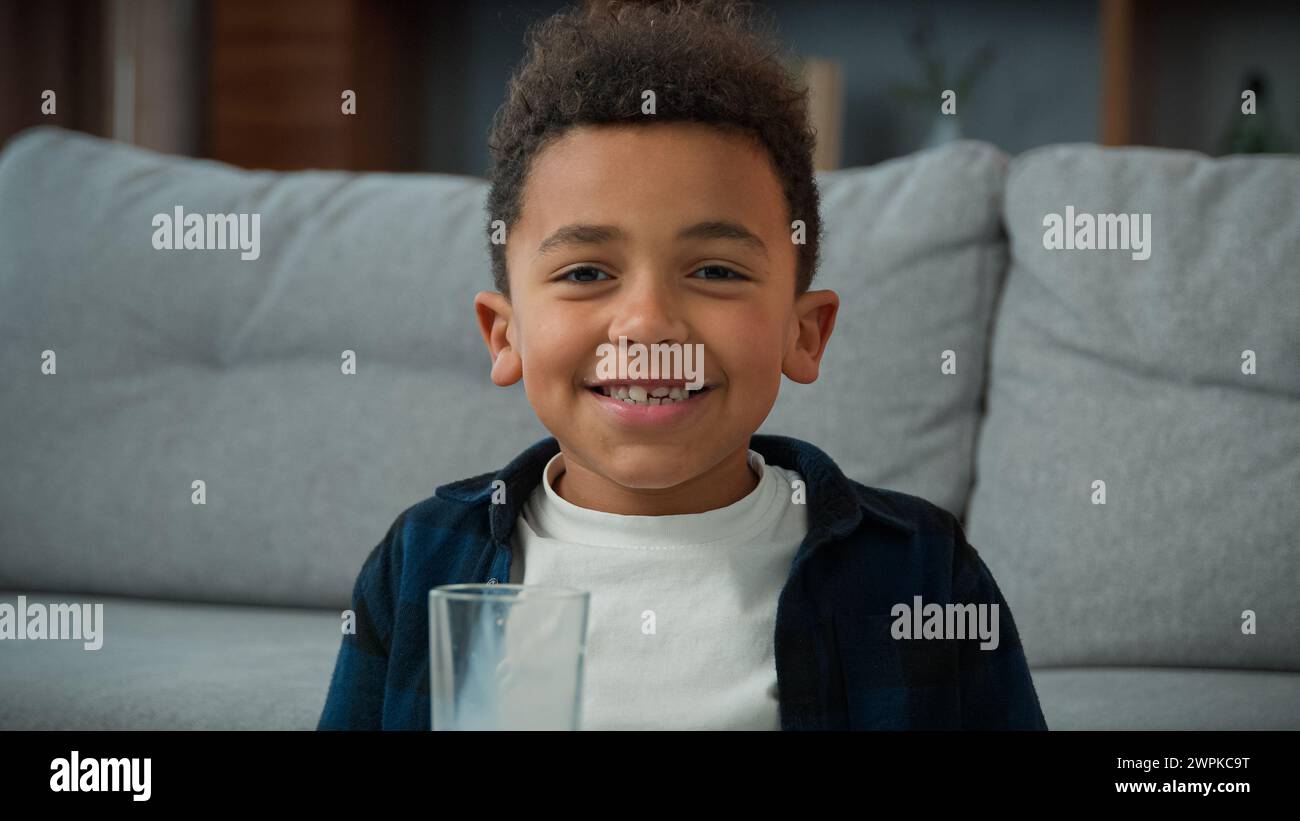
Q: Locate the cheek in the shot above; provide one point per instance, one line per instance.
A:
(749, 342)
(556, 355)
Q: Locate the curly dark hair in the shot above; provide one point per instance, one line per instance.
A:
(706, 61)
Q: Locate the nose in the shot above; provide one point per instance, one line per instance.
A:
(648, 311)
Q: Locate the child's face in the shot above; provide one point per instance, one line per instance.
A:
(653, 282)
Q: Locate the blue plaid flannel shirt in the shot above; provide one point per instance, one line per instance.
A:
(838, 666)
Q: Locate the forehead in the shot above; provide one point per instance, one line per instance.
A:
(670, 173)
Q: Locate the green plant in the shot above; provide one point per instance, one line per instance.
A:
(934, 69)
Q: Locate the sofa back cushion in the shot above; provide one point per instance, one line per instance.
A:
(184, 365)
(914, 248)
(1130, 372)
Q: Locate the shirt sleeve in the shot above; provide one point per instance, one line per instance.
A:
(356, 692)
(997, 690)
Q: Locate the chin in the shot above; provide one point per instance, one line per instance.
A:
(648, 472)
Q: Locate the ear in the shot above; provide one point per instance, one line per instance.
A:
(496, 324)
(810, 329)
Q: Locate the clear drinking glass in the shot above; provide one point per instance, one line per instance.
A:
(506, 656)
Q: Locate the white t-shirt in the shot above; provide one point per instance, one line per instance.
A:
(683, 607)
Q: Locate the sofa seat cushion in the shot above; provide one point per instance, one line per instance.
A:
(1168, 698)
(167, 665)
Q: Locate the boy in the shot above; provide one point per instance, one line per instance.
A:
(651, 161)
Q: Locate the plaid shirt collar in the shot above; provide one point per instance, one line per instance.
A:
(836, 505)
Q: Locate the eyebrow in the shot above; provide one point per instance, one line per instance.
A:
(721, 229)
(587, 234)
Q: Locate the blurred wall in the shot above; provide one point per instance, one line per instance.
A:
(1201, 57)
(257, 82)
(132, 70)
(56, 45)
(1042, 88)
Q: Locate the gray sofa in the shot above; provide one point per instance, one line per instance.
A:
(1071, 367)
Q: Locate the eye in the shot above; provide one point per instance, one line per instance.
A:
(585, 269)
(722, 270)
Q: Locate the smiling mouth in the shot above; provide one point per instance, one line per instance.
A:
(633, 394)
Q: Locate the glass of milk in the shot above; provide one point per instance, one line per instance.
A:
(506, 656)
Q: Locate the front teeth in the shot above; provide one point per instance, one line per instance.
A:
(638, 395)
